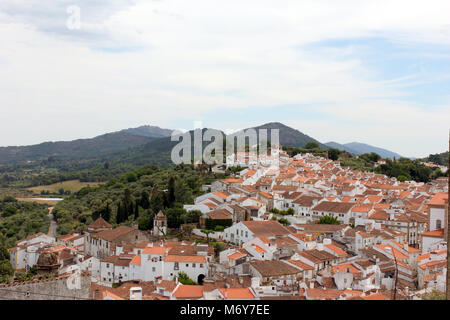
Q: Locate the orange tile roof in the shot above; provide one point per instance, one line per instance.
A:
(258, 248)
(301, 265)
(375, 296)
(339, 251)
(344, 267)
(220, 195)
(188, 291)
(395, 252)
(108, 294)
(236, 255)
(136, 260)
(58, 248)
(435, 233)
(155, 250)
(427, 255)
(362, 208)
(237, 293)
(439, 198)
(381, 205)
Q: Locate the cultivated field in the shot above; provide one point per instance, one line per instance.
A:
(71, 185)
(50, 202)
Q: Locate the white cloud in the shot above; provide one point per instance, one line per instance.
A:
(184, 59)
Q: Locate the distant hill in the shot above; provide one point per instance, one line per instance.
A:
(151, 145)
(341, 147)
(288, 136)
(358, 148)
(81, 148)
(149, 131)
(439, 158)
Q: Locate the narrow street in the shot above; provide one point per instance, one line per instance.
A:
(53, 224)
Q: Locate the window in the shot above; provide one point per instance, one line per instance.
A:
(176, 266)
(193, 265)
(201, 265)
(438, 224)
(153, 269)
(187, 265)
(107, 265)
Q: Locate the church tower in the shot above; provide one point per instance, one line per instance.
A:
(160, 225)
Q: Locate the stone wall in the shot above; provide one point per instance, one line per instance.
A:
(67, 287)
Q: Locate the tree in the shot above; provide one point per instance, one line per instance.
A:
(9, 211)
(184, 279)
(328, 220)
(284, 221)
(145, 200)
(4, 254)
(107, 213)
(171, 191)
(120, 217)
(333, 154)
(145, 223)
(136, 211)
(182, 192)
(6, 271)
(290, 212)
(311, 145)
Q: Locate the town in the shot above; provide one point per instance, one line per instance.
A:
(305, 228)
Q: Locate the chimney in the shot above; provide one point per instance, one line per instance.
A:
(136, 293)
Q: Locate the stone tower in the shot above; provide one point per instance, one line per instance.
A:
(160, 225)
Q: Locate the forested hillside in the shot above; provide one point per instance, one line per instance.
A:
(135, 198)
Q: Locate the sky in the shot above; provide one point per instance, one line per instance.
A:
(376, 72)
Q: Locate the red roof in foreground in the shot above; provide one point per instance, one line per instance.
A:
(435, 233)
(188, 291)
(237, 293)
(375, 296)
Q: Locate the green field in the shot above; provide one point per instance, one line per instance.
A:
(71, 185)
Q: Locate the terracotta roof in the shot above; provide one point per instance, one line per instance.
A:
(219, 214)
(111, 235)
(100, 223)
(266, 228)
(375, 296)
(273, 268)
(188, 292)
(237, 293)
(346, 267)
(337, 207)
(155, 250)
(236, 255)
(136, 260)
(327, 294)
(435, 233)
(341, 253)
(179, 258)
(301, 264)
(168, 285)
